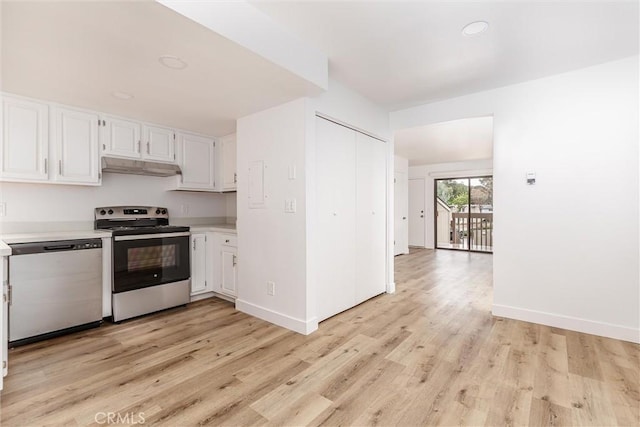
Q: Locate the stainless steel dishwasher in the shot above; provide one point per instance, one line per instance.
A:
(54, 288)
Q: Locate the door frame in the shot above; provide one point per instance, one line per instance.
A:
(435, 211)
(424, 208)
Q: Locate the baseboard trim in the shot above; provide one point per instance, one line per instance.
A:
(391, 288)
(297, 325)
(567, 322)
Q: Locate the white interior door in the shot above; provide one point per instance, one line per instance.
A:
(416, 212)
(370, 217)
(401, 196)
(336, 206)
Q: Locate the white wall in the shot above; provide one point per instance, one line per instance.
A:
(444, 170)
(401, 205)
(278, 246)
(72, 206)
(272, 244)
(559, 258)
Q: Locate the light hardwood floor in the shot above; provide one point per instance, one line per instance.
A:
(431, 354)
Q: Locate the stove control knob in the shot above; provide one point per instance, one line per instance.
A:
(102, 212)
(110, 212)
(164, 211)
(157, 211)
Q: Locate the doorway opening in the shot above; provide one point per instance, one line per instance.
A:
(463, 209)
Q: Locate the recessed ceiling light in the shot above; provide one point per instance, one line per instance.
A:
(172, 62)
(122, 95)
(475, 28)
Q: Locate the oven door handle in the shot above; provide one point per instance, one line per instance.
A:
(150, 236)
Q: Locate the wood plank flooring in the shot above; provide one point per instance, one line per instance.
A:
(431, 354)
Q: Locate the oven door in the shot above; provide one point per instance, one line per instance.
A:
(140, 261)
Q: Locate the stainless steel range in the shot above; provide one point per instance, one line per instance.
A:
(151, 269)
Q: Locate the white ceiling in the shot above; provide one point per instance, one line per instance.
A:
(403, 53)
(397, 53)
(454, 141)
(78, 53)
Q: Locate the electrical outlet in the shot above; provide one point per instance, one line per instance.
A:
(184, 209)
(3, 209)
(271, 288)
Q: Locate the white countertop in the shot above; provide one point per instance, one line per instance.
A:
(222, 228)
(48, 236)
(5, 250)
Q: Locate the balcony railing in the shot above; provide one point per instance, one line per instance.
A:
(474, 230)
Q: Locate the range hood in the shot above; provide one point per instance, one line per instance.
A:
(139, 167)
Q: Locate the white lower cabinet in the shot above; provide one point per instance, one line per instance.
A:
(214, 264)
(199, 264)
(224, 274)
(228, 276)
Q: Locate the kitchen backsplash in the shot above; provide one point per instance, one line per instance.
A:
(39, 207)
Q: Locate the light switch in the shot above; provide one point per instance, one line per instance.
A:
(290, 205)
(292, 172)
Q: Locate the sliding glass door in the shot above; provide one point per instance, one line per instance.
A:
(464, 213)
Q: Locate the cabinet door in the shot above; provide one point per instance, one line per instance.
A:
(370, 217)
(75, 142)
(229, 273)
(198, 263)
(25, 140)
(336, 195)
(159, 144)
(229, 175)
(121, 137)
(196, 161)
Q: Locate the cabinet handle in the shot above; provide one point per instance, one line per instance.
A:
(194, 245)
(46, 166)
(148, 152)
(226, 241)
(60, 167)
(235, 177)
(138, 146)
(235, 261)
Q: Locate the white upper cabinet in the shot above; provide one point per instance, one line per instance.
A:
(75, 149)
(159, 143)
(135, 140)
(196, 159)
(120, 137)
(226, 161)
(25, 140)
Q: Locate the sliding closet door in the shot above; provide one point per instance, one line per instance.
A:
(370, 217)
(336, 201)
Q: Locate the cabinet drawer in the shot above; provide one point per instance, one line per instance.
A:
(229, 240)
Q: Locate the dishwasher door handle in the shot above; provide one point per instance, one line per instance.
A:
(58, 247)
